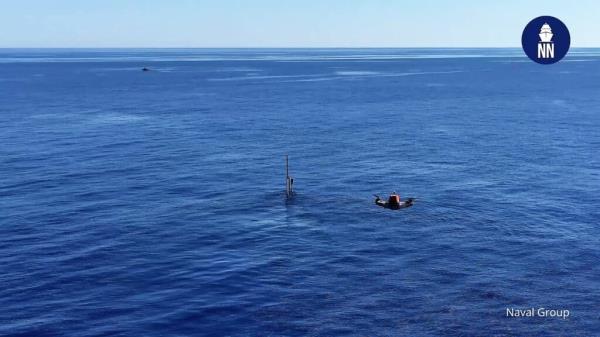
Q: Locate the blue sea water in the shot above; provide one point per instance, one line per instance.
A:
(152, 203)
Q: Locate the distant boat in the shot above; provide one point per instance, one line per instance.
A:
(394, 204)
(145, 69)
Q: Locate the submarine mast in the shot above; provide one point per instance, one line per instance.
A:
(289, 181)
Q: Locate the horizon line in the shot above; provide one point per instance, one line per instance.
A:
(286, 47)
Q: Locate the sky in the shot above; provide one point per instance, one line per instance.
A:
(285, 23)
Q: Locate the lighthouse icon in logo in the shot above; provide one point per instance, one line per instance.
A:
(545, 48)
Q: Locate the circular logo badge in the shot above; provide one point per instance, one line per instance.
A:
(546, 40)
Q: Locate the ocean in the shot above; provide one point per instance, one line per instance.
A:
(153, 203)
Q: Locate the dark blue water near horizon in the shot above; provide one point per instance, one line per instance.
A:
(152, 203)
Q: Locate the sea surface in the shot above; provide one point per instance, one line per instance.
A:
(152, 203)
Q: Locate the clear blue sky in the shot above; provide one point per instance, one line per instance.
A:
(286, 23)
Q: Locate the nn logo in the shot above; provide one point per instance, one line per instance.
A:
(546, 40)
(546, 46)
